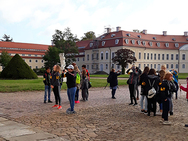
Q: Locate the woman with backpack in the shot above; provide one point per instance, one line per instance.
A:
(151, 84)
(143, 90)
(84, 85)
(78, 74)
(113, 81)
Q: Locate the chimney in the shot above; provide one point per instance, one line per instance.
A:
(108, 30)
(145, 31)
(118, 28)
(164, 33)
(186, 33)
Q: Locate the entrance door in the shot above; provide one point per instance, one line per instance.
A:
(101, 67)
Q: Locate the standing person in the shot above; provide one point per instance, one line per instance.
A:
(46, 81)
(143, 90)
(55, 85)
(139, 73)
(175, 77)
(71, 87)
(185, 89)
(114, 81)
(165, 89)
(84, 85)
(151, 84)
(88, 77)
(78, 74)
(132, 81)
(163, 67)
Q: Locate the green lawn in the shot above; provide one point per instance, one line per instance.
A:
(183, 75)
(105, 75)
(37, 84)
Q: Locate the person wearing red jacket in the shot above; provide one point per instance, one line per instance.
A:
(185, 89)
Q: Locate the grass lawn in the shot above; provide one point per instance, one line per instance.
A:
(105, 75)
(37, 84)
(183, 75)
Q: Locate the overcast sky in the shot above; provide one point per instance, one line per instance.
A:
(35, 21)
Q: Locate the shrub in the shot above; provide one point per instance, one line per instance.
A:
(18, 69)
(40, 71)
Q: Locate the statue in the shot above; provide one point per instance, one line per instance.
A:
(62, 61)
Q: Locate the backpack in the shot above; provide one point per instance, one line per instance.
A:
(109, 78)
(77, 78)
(152, 91)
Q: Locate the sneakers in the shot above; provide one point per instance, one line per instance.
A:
(142, 111)
(44, 101)
(171, 113)
(166, 123)
(135, 104)
(49, 101)
(113, 98)
(70, 112)
(131, 104)
(55, 106)
(77, 102)
(60, 107)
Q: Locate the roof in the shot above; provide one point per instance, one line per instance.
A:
(184, 47)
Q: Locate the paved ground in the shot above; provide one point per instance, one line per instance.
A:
(100, 118)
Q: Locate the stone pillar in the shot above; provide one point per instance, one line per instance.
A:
(63, 64)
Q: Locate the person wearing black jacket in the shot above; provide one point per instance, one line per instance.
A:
(71, 84)
(114, 81)
(132, 81)
(138, 79)
(46, 80)
(55, 85)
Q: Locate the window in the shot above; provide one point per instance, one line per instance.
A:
(159, 67)
(144, 43)
(113, 54)
(134, 54)
(159, 56)
(138, 42)
(127, 66)
(158, 44)
(29, 60)
(29, 54)
(133, 42)
(10, 54)
(155, 66)
(92, 67)
(172, 66)
(183, 56)
(103, 43)
(167, 66)
(97, 66)
(176, 66)
(97, 56)
(35, 55)
(106, 66)
(92, 56)
(162, 56)
(154, 56)
(78, 59)
(36, 61)
(147, 56)
(91, 44)
(144, 56)
(172, 56)
(176, 45)
(87, 57)
(36, 67)
(183, 66)
(116, 41)
(166, 44)
(139, 56)
(112, 65)
(148, 65)
(106, 55)
(23, 54)
(144, 65)
(150, 43)
(177, 57)
(126, 41)
(139, 65)
(167, 57)
(83, 59)
(101, 55)
(87, 66)
(43, 60)
(151, 66)
(118, 66)
(151, 56)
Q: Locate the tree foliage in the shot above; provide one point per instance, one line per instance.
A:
(88, 36)
(17, 68)
(66, 42)
(123, 57)
(6, 38)
(5, 58)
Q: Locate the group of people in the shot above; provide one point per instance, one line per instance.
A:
(76, 80)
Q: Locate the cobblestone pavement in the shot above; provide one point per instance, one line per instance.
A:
(100, 118)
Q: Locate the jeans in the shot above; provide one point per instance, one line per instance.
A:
(56, 91)
(137, 90)
(170, 104)
(47, 90)
(146, 102)
(161, 106)
(165, 110)
(132, 88)
(77, 94)
(71, 96)
(152, 105)
(113, 92)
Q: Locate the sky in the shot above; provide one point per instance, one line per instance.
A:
(35, 21)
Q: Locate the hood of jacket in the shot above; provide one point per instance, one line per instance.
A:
(152, 76)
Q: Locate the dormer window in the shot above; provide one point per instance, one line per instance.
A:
(102, 37)
(116, 41)
(133, 42)
(91, 44)
(176, 45)
(103, 43)
(158, 44)
(154, 38)
(139, 36)
(139, 42)
(113, 35)
(173, 39)
(144, 43)
(187, 39)
(128, 34)
(150, 43)
(166, 44)
(126, 41)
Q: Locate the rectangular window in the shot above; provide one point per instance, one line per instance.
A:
(112, 65)
(118, 66)
(151, 66)
(148, 65)
(139, 55)
(177, 57)
(151, 56)
(106, 66)
(183, 56)
(139, 65)
(83, 59)
(144, 56)
(172, 66)
(167, 66)
(144, 65)
(35, 55)
(176, 66)
(134, 54)
(87, 66)
(97, 66)
(155, 66)
(97, 56)
(147, 56)
(155, 56)
(106, 55)
(92, 56)
(92, 66)
(101, 55)
(172, 56)
(183, 66)
(162, 56)
(31, 67)
(159, 56)
(167, 57)
(88, 57)
(113, 54)
(23, 54)
(36, 67)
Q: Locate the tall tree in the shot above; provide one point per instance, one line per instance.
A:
(66, 42)
(6, 38)
(51, 57)
(5, 58)
(123, 57)
(88, 36)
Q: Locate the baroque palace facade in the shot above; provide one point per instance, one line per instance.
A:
(150, 50)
